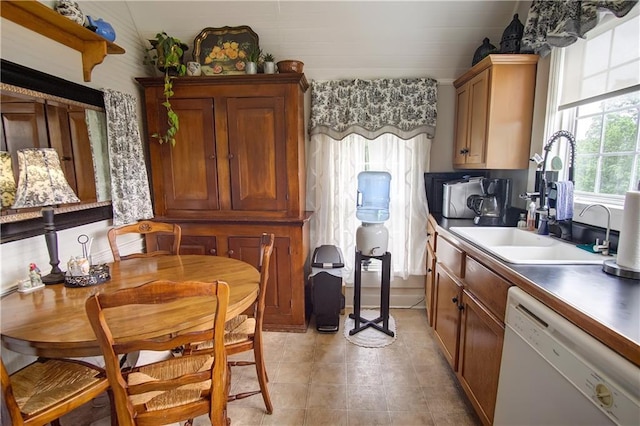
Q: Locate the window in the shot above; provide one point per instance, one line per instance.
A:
(598, 100)
(333, 183)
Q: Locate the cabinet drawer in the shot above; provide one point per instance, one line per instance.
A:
(486, 286)
(450, 256)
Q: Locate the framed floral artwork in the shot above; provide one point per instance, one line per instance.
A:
(224, 50)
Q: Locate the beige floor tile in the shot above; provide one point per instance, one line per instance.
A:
(330, 353)
(298, 353)
(405, 398)
(325, 417)
(294, 372)
(289, 395)
(284, 417)
(400, 375)
(368, 418)
(327, 396)
(366, 398)
(358, 354)
(411, 418)
(365, 374)
(461, 418)
(243, 416)
(329, 373)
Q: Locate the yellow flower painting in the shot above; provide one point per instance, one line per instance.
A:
(224, 50)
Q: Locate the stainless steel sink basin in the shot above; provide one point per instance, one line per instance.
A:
(525, 247)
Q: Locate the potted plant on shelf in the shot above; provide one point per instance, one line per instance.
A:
(269, 64)
(169, 52)
(253, 57)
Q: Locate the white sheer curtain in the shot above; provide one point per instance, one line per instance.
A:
(332, 183)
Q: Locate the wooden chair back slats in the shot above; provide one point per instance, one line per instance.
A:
(145, 227)
(149, 394)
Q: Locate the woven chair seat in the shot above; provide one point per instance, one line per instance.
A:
(170, 369)
(236, 330)
(44, 384)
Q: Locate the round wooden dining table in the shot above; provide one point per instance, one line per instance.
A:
(51, 322)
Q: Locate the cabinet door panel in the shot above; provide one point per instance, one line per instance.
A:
(257, 153)
(429, 287)
(447, 315)
(480, 354)
(478, 113)
(189, 167)
(278, 308)
(196, 244)
(462, 126)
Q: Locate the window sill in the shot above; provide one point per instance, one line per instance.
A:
(597, 216)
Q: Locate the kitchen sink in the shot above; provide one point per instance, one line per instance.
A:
(519, 246)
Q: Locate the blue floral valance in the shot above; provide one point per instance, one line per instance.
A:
(404, 107)
(560, 23)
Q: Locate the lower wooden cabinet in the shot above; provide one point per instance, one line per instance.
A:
(429, 285)
(469, 303)
(289, 268)
(446, 323)
(481, 338)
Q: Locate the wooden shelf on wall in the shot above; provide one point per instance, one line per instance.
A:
(37, 17)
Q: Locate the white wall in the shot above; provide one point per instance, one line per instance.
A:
(30, 49)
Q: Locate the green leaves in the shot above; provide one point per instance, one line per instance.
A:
(168, 57)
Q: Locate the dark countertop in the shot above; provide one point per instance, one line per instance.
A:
(613, 303)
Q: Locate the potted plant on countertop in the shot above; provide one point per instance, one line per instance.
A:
(269, 64)
(253, 57)
(169, 52)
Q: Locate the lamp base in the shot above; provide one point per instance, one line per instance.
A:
(53, 278)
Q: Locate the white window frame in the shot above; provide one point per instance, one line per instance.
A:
(557, 120)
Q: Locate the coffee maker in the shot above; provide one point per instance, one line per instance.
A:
(491, 206)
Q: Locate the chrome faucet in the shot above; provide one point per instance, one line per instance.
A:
(565, 226)
(544, 203)
(604, 247)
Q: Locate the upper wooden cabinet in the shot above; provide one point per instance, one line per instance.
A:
(239, 151)
(494, 112)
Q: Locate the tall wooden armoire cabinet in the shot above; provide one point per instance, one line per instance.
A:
(237, 170)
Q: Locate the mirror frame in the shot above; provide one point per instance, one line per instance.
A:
(21, 76)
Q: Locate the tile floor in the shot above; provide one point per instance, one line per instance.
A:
(322, 379)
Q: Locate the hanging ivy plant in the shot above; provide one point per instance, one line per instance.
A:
(167, 56)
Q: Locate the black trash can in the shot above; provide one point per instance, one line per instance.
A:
(326, 287)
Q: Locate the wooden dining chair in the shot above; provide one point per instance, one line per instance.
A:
(172, 390)
(145, 227)
(244, 332)
(47, 389)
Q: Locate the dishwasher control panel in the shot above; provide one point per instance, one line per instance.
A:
(613, 386)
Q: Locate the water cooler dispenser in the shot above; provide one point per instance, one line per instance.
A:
(372, 208)
(372, 240)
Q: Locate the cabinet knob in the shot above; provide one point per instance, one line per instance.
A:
(460, 307)
(464, 151)
(212, 251)
(230, 156)
(212, 157)
(230, 252)
(454, 300)
(66, 158)
(429, 270)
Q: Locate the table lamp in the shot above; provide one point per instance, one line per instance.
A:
(41, 183)
(7, 181)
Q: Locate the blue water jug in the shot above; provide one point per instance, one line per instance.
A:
(373, 197)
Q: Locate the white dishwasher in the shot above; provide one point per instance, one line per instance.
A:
(553, 373)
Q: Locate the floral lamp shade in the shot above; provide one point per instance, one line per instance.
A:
(41, 181)
(7, 181)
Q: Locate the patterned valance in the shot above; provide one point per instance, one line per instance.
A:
(560, 23)
(404, 107)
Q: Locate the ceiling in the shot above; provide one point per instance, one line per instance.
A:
(346, 39)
